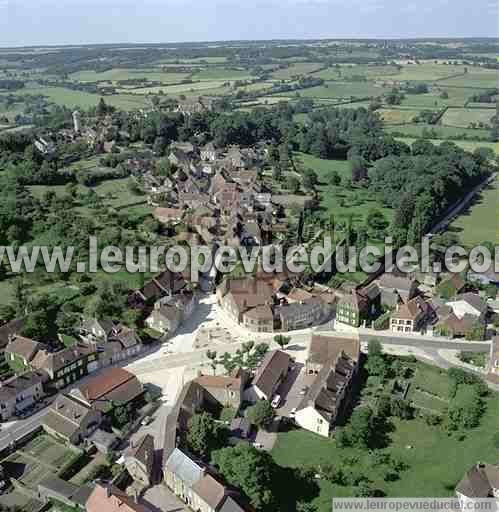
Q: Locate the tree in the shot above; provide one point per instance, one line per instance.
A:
(374, 348)
(476, 332)
(261, 414)
(334, 178)
(282, 340)
(402, 408)
(204, 435)
(360, 428)
(101, 109)
(212, 356)
(310, 179)
(249, 469)
(294, 185)
(465, 409)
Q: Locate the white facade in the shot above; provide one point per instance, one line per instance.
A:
(309, 419)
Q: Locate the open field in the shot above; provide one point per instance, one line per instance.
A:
(476, 77)
(300, 68)
(397, 115)
(114, 75)
(436, 461)
(458, 96)
(348, 71)
(339, 201)
(427, 72)
(463, 117)
(441, 132)
(177, 89)
(480, 223)
(341, 90)
(116, 192)
(80, 99)
(216, 73)
(467, 145)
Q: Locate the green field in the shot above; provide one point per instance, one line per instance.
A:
(442, 132)
(397, 115)
(114, 75)
(458, 96)
(467, 145)
(195, 87)
(221, 74)
(476, 77)
(481, 222)
(436, 461)
(80, 99)
(300, 68)
(341, 90)
(347, 72)
(116, 192)
(463, 117)
(427, 72)
(339, 201)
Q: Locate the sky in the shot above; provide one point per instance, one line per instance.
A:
(55, 22)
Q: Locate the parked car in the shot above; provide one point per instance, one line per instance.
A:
(292, 414)
(303, 390)
(146, 421)
(276, 401)
(259, 446)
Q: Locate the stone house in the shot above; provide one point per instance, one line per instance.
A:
(411, 316)
(20, 351)
(479, 483)
(207, 494)
(352, 309)
(111, 499)
(335, 362)
(68, 365)
(226, 390)
(20, 392)
(70, 419)
(139, 460)
(181, 473)
(269, 375)
(395, 288)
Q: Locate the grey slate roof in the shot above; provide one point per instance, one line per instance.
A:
(184, 468)
(231, 505)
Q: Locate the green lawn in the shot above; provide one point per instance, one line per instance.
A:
(300, 68)
(339, 201)
(195, 87)
(442, 132)
(481, 222)
(477, 77)
(435, 460)
(81, 99)
(341, 90)
(462, 117)
(116, 74)
(397, 115)
(115, 192)
(216, 73)
(458, 96)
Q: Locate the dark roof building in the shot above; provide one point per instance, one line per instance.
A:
(481, 481)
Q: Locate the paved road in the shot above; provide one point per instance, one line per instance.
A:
(21, 428)
(425, 342)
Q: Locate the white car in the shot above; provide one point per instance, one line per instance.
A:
(276, 401)
(146, 421)
(292, 414)
(259, 446)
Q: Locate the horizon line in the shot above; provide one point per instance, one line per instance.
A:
(257, 40)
